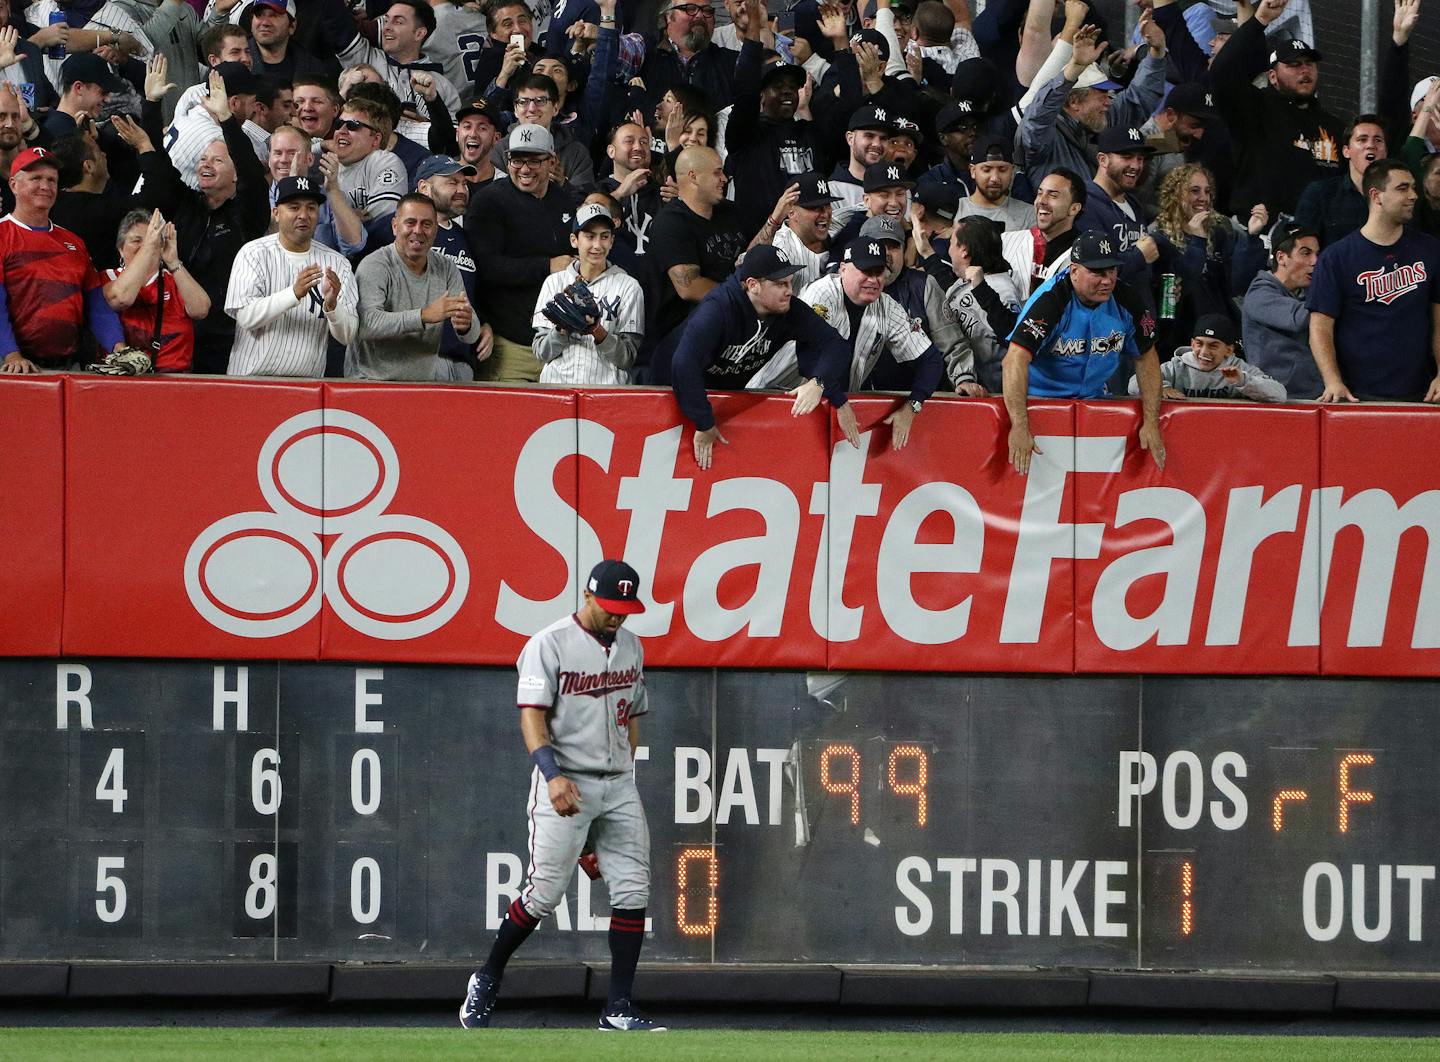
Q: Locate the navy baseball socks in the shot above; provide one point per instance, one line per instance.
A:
(484, 987)
(627, 933)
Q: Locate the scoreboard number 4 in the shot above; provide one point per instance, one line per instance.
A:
(111, 786)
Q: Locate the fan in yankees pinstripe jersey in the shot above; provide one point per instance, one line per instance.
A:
(605, 354)
(854, 302)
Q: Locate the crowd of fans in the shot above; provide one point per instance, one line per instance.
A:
(896, 195)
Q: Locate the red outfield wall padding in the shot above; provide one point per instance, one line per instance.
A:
(1378, 534)
(295, 520)
(732, 549)
(32, 515)
(1200, 565)
(937, 572)
(189, 525)
(450, 520)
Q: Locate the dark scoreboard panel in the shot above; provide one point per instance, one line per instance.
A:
(303, 811)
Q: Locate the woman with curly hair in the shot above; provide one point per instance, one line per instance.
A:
(1211, 258)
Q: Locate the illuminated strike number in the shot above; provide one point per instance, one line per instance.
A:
(907, 773)
(1187, 898)
(683, 863)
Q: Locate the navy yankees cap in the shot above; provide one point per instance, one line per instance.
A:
(616, 587)
(886, 175)
(1193, 99)
(942, 200)
(1216, 326)
(865, 255)
(814, 191)
(875, 37)
(869, 117)
(905, 127)
(1095, 250)
(288, 188)
(763, 262)
(442, 166)
(1120, 140)
(957, 113)
(992, 148)
(1293, 51)
(92, 70)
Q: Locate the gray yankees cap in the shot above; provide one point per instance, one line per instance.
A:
(883, 227)
(530, 139)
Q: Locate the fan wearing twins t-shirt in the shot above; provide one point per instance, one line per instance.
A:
(1375, 300)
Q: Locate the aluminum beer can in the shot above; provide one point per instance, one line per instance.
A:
(56, 51)
(1169, 295)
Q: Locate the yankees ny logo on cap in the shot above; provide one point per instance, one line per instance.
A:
(963, 106)
(893, 172)
(526, 135)
(879, 115)
(1134, 134)
(1105, 247)
(302, 184)
(874, 248)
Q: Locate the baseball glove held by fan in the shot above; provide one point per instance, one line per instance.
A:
(127, 361)
(574, 309)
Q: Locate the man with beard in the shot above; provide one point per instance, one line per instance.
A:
(869, 129)
(317, 105)
(1375, 301)
(447, 182)
(993, 172)
(273, 51)
(477, 131)
(1037, 254)
(1284, 138)
(51, 296)
(1186, 129)
(1275, 323)
(1110, 208)
(736, 331)
(1333, 207)
(289, 294)
(213, 221)
(691, 58)
(957, 125)
(639, 196)
(1069, 342)
(339, 225)
(805, 237)
(407, 296)
(520, 232)
(1061, 124)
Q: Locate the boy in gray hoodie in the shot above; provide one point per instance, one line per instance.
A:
(1274, 321)
(1209, 367)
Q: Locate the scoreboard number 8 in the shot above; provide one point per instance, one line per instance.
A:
(260, 896)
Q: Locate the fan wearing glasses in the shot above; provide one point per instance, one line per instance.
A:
(537, 102)
(691, 57)
(520, 232)
(372, 179)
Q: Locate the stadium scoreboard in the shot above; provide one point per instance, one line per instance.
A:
(197, 810)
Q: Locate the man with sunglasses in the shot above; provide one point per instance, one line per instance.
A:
(691, 58)
(372, 178)
(520, 232)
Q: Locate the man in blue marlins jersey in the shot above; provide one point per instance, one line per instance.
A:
(1069, 339)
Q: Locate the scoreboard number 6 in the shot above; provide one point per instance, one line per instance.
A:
(265, 789)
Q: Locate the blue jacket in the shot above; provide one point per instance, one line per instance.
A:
(1101, 214)
(1075, 348)
(725, 343)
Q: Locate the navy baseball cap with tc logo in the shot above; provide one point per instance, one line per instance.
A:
(616, 587)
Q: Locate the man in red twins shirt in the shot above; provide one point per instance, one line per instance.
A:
(52, 307)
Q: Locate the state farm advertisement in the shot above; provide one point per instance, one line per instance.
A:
(341, 521)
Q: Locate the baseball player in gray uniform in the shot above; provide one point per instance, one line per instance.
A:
(581, 693)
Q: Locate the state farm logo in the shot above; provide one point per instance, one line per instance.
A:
(331, 473)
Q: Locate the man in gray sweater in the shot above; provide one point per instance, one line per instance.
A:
(407, 293)
(1274, 321)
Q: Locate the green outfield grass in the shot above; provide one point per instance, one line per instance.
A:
(315, 1045)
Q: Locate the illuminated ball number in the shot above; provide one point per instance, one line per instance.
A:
(683, 862)
(921, 774)
(850, 785)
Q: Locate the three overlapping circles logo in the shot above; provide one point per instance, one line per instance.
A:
(327, 475)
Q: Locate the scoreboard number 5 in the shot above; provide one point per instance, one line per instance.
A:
(109, 888)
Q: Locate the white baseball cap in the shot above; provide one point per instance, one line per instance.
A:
(1094, 77)
(1422, 87)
